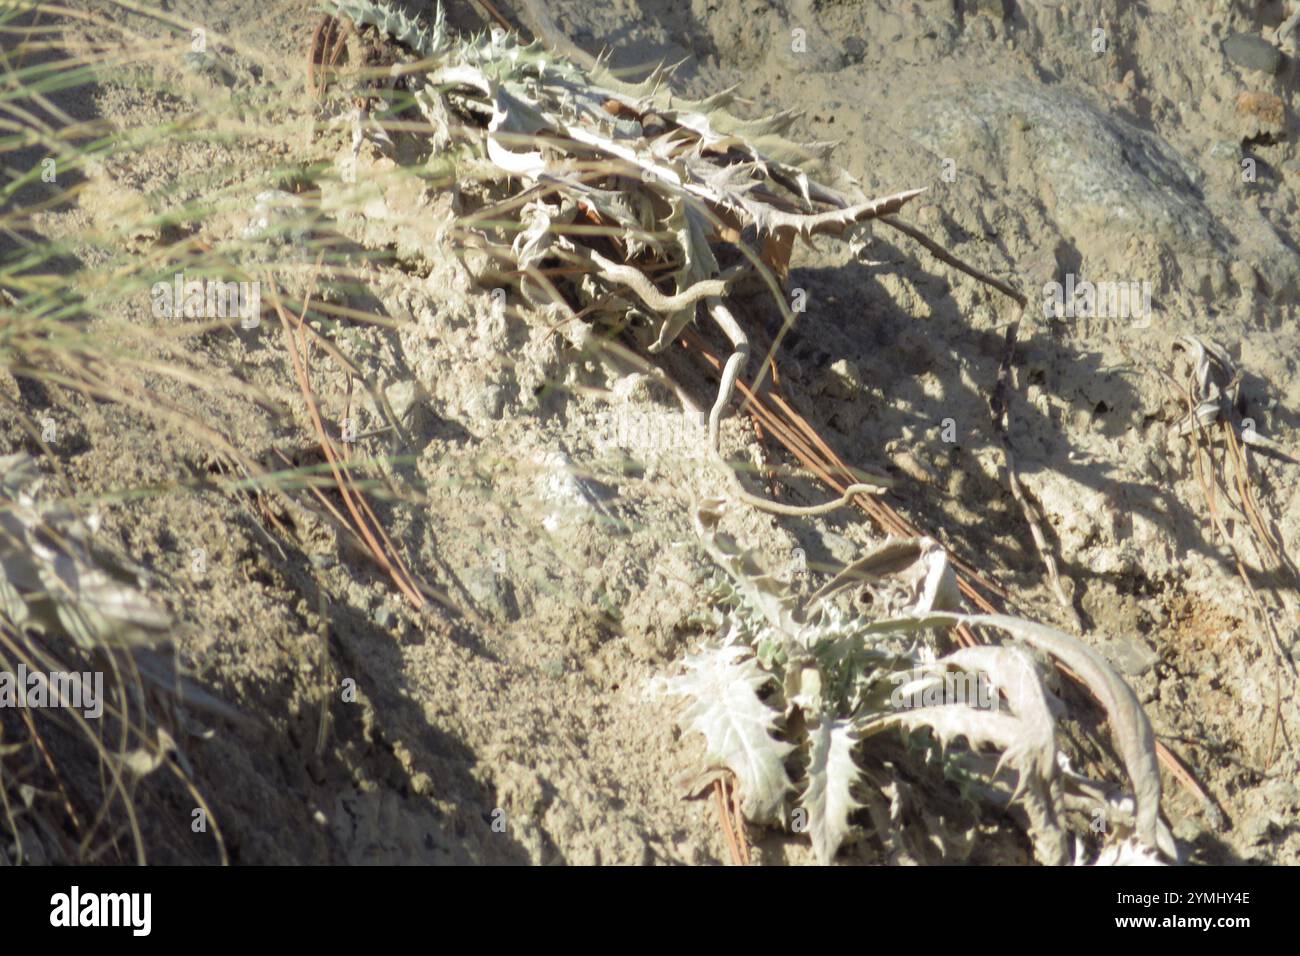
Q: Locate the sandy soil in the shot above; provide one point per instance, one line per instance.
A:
(512, 724)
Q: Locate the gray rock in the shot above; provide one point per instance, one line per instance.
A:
(209, 65)
(1225, 149)
(1132, 656)
(493, 592)
(1257, 829)
(1188, 829)
(1100, 174)
(571, 500)
(1284, 794)
(1252, 53)
(802, 44)
(401, 397)
(277, 217)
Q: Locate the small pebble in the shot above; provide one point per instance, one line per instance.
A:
(401, 396)
(1252, 53)
(1132, 656)
(209, 65)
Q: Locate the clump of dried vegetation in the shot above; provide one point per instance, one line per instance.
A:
(87, 674)
(617, 213)
(90, 764)
(633, 210)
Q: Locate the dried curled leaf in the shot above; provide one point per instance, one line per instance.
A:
(53, 576)
(922, 562)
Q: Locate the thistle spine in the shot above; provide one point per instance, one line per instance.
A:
(393, 22)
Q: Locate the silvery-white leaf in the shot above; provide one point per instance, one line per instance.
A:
(722, 687)
(828, 796)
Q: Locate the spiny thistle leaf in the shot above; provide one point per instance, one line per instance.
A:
(761, 590)
(1129, 723)
(828, 796)
(723, 685)
(406, 30)
(1015, 738)
(1012, 671)
(1128, 853)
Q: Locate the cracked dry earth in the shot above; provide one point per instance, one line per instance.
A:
(522, 701)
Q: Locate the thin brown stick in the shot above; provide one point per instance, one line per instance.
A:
(545, 29)
(494, 13)
(832, 470)
(999, 407)
(943, 255)
(724, 815)
(348, 491)
(739, 817)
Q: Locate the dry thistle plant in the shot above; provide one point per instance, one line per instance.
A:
(609, 202)
(818, 683)
(618, 208)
